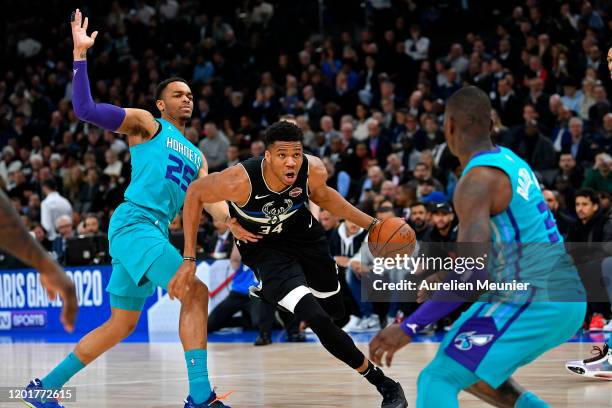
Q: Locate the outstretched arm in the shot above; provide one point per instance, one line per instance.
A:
(329, 199)
(16, 240)
(133, 122)
(479, 193)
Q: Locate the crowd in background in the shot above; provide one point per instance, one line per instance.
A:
(367, 86)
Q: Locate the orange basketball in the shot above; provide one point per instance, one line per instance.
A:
(390, 237)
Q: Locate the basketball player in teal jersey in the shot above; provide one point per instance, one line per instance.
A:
(599, 364)
(164, 163)
(498, 203)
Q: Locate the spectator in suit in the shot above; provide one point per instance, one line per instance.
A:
(602, 140)
(562, 217)
(65, 230)
(537, 150)
(601, 107)
(41, 236)
(578, 145)
(91, 192)
(311, 107)
(220, 242)
(379, 146)
(568, 172)
(507, 104)
(538, 99)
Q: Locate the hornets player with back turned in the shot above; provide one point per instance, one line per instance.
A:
(164, 163)
(498, 203)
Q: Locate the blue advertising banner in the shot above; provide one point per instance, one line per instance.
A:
(26, 312)
(25, 305)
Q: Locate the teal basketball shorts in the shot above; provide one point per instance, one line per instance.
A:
(142, 257)
(492, 340)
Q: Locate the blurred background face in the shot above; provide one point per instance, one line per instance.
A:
(585, 208)
(442, 220)
(421, 172)
(64, 227)
(39, 233)
(551, 200)
(388, 189)
(575, 128)
(351, 228)
(232, 153)
(328, 220)
(425, 189)
(566, 162)
(419, 216)
(376, 175)
(92, 226)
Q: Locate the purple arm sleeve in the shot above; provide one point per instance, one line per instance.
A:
(429, 312)
(442, 303)
(108, 117)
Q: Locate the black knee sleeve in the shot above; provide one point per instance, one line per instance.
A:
(331, 336)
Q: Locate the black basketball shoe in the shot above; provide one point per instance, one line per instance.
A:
(393, 394)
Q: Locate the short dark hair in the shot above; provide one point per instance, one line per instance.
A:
(50, 184)
(473, 103)
(282, 131)
(588, 193)
(417, 204)
(163, 84)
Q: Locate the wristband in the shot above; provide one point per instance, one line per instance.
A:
(372, 224)
(410, 329)
(189, 258)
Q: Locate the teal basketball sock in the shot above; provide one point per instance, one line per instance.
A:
(63, 372)
(197, 371)
(529, 400)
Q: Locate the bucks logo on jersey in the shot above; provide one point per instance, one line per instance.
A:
(274, 213)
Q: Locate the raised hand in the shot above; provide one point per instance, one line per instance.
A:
(82, 42)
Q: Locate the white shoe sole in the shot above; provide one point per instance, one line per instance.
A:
(582, 372)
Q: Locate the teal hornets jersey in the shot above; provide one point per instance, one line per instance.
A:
(526, 244)
(162, 169)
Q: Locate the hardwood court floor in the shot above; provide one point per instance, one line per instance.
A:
(279, 375)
